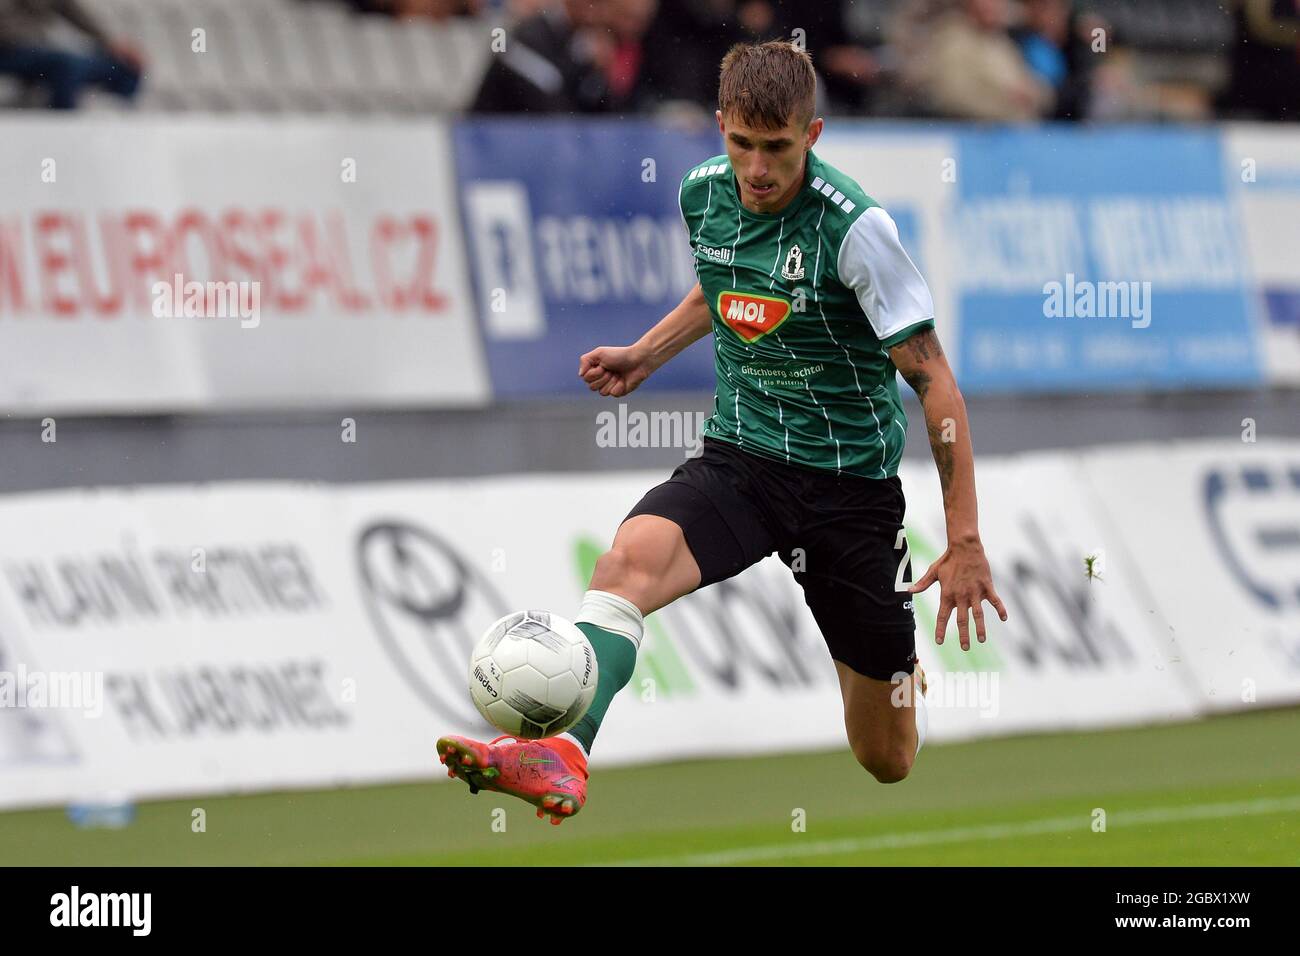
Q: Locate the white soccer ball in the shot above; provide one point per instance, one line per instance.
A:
(533, 674)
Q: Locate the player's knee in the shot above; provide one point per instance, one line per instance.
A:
(620, 571)
(886, 764)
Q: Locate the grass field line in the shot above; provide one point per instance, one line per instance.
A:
(1080, 823)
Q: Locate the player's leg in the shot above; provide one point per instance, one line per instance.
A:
(688, 532)
(885, 721)
(649, 563)
(855, 571)
(648, 566)
(695, 529)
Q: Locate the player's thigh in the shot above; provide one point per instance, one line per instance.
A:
(880, 721)
(649, 563)
(850, 558)
(854, 570)
(695, 529)
(874, 650)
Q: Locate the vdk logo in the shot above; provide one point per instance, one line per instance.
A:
(752, 316)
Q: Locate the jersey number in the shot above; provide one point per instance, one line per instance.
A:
(901, 542)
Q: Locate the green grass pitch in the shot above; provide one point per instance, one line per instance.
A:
(1224, 791)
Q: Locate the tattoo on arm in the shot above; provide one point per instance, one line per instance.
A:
(943, 456)
(920, 382)
(921, 347)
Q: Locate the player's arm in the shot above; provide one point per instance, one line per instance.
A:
(965, 580)
(617, 370)
(896, 300)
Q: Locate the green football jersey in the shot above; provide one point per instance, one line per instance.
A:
(806, 303)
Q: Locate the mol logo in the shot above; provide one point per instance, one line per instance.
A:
(752, 316)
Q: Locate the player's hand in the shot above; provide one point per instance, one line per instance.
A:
(614, 370)
(965, 583)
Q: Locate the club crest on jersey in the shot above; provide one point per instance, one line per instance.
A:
(751, 316)
(793, 268)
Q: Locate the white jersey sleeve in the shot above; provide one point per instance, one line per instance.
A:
(873, 263)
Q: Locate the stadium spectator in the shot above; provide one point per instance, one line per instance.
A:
(388, 7)
(849, 71)
(688, 39)
(1265, 61)
(1043, 38)
(622, 53)
(27, 53)
(966, 66)
(518, 9)
(577, 56)
(1054, 40)
(684, 46)
(437, 9)
(548, 65)
(428, 9)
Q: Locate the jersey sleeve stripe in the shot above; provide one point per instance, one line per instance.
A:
(902, 335)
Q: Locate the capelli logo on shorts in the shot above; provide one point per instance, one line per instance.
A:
(133, 910)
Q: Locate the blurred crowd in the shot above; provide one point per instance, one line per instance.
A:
(990, 60)
(60, 72)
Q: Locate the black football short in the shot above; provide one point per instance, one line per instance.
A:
(839, 534)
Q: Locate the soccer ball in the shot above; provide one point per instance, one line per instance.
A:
(533, 674)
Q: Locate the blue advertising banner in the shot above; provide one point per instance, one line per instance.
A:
(576, 241)
(1262, 164)
(1099, 259)
(1061, 258)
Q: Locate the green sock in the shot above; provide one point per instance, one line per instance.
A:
(615, 659)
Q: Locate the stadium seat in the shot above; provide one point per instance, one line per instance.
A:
(289, 55)
(342, 64)
(469, 49)
(434, 69)
(294, 69)
(391, 77)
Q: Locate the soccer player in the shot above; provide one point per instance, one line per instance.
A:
(814, 306)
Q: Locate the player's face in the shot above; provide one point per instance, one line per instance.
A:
(769, 164)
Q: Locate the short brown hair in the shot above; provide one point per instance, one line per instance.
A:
(765, 85)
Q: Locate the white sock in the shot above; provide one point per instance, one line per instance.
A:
(922, 719)
(612, 613)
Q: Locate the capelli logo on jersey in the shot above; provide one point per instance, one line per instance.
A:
(721, 256)
(752, 316)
